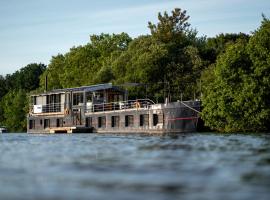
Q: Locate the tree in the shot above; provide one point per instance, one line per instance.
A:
(259, 52)
(87, 64)
(141, 63)
(3, 89)
(224, 96)
(27, 78)
(217, 45)
(182, 67)
(53, 73)
(14, 110)
(169, 26)
(13, 99)
(238, 97)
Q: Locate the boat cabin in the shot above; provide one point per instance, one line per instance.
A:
(76, 99)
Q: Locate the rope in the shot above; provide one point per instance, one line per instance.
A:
(190, 107)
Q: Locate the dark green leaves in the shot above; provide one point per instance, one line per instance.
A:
(237, 99)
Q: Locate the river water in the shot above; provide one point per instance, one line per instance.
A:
(92, 166)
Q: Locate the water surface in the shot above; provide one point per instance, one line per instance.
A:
(93, 166)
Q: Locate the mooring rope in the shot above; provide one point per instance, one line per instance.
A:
(190, 107)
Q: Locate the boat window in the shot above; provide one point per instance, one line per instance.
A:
(77, 98)
(40, 122)
(53, 98)
(59, 122)
(99, 97)
(144, 120)
(46, 123)
(101, 122)
(88, 121)
(115, 121)
(88, 97)
(31, 124)
(129, 120)
(155, 119)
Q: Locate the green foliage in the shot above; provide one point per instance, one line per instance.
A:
(3, 89)
(88, 64)
(13, 106)
(141, 63)
(27, 78)
(81, 63)
(104, 75)
(182, 67)
(169, 26)
(237, 98)
(217, 45)
(167, 62)
(53, 72)
(13, 95)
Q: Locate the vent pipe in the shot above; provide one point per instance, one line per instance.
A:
(46, 83)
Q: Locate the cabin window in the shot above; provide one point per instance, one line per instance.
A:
(101, 122)
(99, 97)
(88, 121)
(157, 119)
(31, 124)
(144, 120)
(53, 103)
(115, 121)
(129, 120)
(40, 122)
(53, 98)
(46, 123)
(59, 122)
(77, 98)
(88, 97)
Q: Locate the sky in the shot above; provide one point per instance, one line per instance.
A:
(32, 31)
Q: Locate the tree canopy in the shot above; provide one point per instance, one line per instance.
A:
(238, 97)
(13, 95)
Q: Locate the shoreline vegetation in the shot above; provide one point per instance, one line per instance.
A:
(230, 73)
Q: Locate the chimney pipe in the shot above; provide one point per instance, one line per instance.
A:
(46, 83)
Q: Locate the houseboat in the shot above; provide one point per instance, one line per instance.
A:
(105, 108)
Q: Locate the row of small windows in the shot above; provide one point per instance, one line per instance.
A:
(129, 121)
(101, 121)
(46, 124)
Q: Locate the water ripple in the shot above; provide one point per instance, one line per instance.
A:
(97, 166)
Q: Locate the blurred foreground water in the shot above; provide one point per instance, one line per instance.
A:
(93, 166)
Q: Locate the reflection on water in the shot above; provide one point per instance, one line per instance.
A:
(92, 166)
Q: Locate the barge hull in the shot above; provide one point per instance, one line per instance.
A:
(175, 117)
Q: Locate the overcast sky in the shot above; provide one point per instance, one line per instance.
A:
(35, 30)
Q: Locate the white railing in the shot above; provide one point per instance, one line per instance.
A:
(47, 108)
(130, 104)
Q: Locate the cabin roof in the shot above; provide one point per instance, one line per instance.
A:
(90, 88)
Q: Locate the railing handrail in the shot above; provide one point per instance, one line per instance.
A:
(48, 108)
(116, 105)
(128, 101)
(46, 104)
(120, 105)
